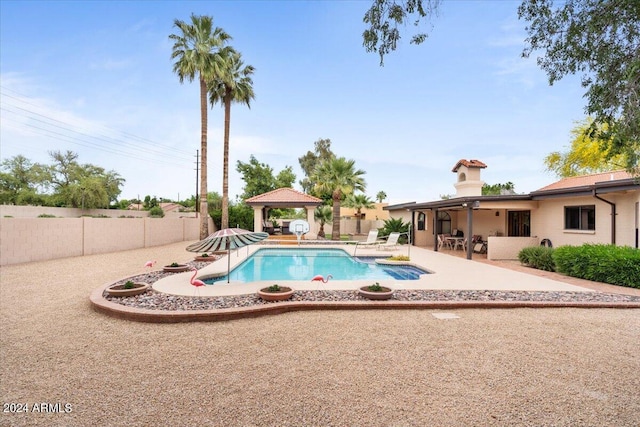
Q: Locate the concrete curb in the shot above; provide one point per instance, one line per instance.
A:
(102, 305)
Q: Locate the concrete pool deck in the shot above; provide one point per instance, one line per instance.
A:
(453, 279)
(447, 272)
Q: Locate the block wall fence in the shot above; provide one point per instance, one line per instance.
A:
(38, 239)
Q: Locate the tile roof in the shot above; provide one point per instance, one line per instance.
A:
(586, 180)
(283, 195)
(468, 163)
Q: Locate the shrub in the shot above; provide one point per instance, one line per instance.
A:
(156, 212)
(539, 257)
(395, 225)
(399, 258)
(46, 216)
(617, 265)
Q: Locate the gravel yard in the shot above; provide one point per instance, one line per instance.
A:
(500, 367)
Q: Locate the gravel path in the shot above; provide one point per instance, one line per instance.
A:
(508, 367)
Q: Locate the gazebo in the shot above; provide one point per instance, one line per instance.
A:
(283, 198)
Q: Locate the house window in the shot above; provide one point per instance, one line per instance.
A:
(421, 221)
(443, 223)
(519, 224)
(580, 217)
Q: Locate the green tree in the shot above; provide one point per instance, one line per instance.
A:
(197, 53)
(20, 180)
(285, 178)
(80, 186)
(385, 16)
(339, 177)
(308, 162)
(358, 202)
(497, 189)
(600, 39)
(258, 177)
(586, 154)
(323, 215)
(381, 196)
(233, 85)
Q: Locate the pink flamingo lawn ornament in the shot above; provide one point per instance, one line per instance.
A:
(196, 282)
(150, 264)
(320, 278)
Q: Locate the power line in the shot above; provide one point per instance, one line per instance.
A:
(150, 147)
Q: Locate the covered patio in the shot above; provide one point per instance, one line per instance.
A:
(283, 198)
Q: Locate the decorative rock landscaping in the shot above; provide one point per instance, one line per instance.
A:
(153, 300)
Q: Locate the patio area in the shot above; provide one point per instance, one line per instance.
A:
(450, 366)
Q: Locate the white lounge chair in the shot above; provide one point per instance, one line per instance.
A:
(391, 243)
(372, 238)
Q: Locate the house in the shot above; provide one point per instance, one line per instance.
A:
(597, 208)
(377, 212)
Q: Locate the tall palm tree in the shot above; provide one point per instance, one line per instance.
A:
(358, 202)
(339, 177)
(234, 85)
(196, 51)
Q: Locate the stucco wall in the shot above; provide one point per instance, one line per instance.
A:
(548, 221)
(37, 239)
(35, 211)
(508, 247)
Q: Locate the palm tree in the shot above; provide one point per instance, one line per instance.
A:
(381, 196)
(197, 53)
(234, 85)
(323, 215)
(358, 202)
(339, 177)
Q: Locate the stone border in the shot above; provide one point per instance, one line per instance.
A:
(102, 305)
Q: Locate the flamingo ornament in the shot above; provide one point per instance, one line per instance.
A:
(320, 278)
(150, 264)
(196, 282)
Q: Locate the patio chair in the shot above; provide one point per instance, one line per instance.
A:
(462, 243)
(443, 241)
(391, 243)
(267, 226)
(372, 238)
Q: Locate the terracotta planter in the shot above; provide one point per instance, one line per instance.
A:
(385, 293)
(283, 294)
(120, 291)
(205, 258)
(177, 269)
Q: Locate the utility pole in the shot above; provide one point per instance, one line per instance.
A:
(197, 188)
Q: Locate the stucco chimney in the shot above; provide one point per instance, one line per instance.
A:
(469, 182)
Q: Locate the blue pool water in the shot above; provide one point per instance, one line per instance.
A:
(304, 263)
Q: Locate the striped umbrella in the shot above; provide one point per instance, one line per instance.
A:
(227, 239)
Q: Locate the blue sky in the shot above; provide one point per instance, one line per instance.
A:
(96, 78)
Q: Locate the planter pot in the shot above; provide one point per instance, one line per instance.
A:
(385, 293)
(205, 258)
(177, 269)
(283, 294)
(120, 291)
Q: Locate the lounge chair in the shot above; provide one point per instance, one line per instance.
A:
(372, 239)
(391, 243)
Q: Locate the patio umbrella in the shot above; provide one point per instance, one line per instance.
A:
(227, 239)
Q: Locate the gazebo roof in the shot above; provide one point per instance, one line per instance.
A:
(284, 197)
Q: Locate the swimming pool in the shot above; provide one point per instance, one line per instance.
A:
(304, 263)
